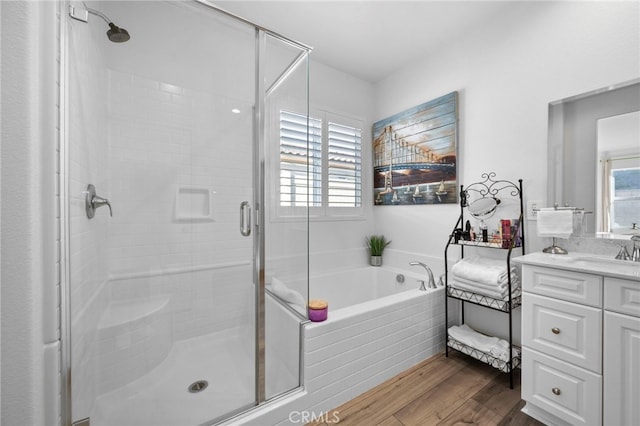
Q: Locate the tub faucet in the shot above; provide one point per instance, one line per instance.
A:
(432, 282)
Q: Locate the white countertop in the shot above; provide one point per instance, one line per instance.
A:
(584, 262)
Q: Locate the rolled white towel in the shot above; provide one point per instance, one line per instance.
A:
(484, 270)
(285, 293)
(499, 348)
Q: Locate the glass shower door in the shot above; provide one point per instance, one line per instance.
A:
(161, 293)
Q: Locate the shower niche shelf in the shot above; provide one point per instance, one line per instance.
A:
(194, 203)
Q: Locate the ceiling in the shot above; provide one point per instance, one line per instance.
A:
(370, 39)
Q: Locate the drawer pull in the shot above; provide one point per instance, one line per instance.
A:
(556, 391)
(555, 330)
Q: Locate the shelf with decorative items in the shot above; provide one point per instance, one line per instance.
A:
(487, 282)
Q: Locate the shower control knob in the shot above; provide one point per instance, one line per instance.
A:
(93, 201)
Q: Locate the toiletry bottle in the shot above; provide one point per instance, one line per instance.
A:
(483, 229)
(467, 233)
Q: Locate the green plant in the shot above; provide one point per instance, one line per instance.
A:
(376, 244)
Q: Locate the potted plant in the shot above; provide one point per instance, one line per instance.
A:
(376, 245)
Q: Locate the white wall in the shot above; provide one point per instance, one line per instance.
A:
(29, 250)
(506, 73)
(331, 241)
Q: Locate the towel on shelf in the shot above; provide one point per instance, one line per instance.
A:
(288, 295)
(500, 291)
(484, 270)
(474, 288)
(498, 348)
(555, 223)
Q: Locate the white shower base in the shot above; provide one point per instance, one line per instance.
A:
(224, 359)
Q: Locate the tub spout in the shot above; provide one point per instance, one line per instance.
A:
(432, 281)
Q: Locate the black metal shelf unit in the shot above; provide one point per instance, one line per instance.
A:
(487, 188)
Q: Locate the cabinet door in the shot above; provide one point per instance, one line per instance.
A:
(570, 393)
(568, 331)
(621, 369)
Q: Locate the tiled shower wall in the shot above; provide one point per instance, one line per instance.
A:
(87, 163)
(145, 142)
(163, 139)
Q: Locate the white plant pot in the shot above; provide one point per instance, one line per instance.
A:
(376, 261)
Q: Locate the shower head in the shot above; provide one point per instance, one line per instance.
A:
(117, 34)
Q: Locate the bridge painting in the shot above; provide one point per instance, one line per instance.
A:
(415, 154)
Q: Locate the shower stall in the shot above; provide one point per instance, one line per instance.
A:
(169, 172)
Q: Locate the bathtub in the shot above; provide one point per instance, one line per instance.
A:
(378, 326)
(353, 287)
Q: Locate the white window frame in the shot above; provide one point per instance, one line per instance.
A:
(620, 164)
(322, 212)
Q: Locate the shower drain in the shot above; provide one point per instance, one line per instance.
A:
(198, 386)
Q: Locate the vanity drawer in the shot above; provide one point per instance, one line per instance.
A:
(622, 296)
(569, 392)
(566, 285)
(565, 330)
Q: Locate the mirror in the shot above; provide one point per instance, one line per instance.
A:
(573, 146)
(483, 208)
(618, 175)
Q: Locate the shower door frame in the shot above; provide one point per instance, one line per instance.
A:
(259, 150)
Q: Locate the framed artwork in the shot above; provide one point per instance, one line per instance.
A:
(415, 154)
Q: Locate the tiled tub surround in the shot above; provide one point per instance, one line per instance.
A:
(376, 329)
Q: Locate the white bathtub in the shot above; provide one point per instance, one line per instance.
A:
(357, 286)
(377, 327)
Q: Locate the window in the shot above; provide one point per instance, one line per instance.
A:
(625, 198)
(300, 166)
(618, 193)
(326, 173)
(344, 174)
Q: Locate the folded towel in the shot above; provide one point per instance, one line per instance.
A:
(499, 348)
(555, 223)
(285, 293)
(496, 294)
(501, 288)
(484, 270)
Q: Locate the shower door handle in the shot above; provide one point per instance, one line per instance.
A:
(245, 218)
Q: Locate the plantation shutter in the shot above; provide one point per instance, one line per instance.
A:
(300, 161)
(344, 172)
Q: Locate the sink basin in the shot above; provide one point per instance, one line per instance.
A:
(605, 260)
(606, 264)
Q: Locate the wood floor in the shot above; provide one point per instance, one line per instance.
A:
(457, 390)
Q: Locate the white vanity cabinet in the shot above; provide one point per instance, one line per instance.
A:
(581, 341)
(621, 368)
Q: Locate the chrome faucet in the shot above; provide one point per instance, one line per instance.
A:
(432, 282)
(635, 254)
